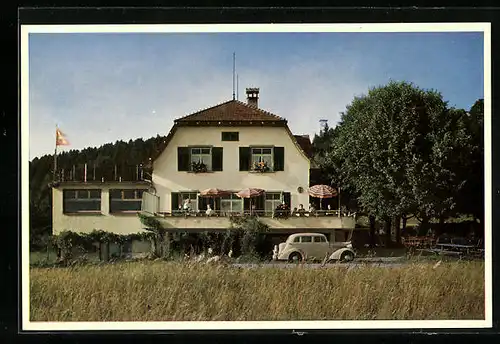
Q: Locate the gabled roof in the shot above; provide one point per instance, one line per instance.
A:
(231, 111)
(235, 113)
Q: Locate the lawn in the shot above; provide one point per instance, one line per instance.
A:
(165, 291)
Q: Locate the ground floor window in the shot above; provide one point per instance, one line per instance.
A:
(85, 200)
(122, 200)
(231, 204)
(273, 199)
(188, 198)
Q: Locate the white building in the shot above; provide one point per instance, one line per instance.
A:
(220, 147)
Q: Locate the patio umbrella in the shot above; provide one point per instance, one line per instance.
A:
(249, 193)
(214, 193)
(322, 191)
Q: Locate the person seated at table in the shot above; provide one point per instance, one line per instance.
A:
(311, 208)
(285, 210)
(186, 207)
(278, 210)
(301, 210)
(295, 212)
(209, 211)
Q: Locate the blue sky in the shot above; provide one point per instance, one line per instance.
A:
(100, 88)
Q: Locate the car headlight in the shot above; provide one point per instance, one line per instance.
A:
(349, 245)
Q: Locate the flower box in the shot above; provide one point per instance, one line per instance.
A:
(260, 167)
(198, 167)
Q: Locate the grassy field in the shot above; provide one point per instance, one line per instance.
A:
(165, 291)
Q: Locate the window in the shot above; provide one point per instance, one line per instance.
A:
(189, 159)
(202, 155)
(125, 200)
(178, 199)
(262, 155)
(297, 239)
(319, 239)
(273, 199)
(230, 136)
(251, 158)
(306, 239)
(88, 200)
(231, 203)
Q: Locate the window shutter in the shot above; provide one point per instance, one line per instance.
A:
(183, 159)
(217, 158)
(286, 198)
(279, 158)
(244, 158)
(175, 201)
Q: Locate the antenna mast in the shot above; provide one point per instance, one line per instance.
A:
(234, 70)
(237, 88)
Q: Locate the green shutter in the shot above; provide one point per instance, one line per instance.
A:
(287, 199)
(183, 159)
(217, 158)
(279, 158)
(175, 202)
(244, 158)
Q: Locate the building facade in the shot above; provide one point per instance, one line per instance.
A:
(231, 146)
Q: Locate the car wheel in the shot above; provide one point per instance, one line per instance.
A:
(295, 257)
(347, 257)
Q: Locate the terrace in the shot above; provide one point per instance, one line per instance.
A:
(196, 218)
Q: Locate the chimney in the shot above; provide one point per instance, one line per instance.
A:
(253, 96)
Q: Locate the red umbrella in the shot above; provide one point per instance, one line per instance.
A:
(249, 193)
(322, 191)
(214, 193)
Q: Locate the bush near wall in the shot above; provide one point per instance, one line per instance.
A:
(246, 237)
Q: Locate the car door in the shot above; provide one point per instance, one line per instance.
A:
(321, 246)
(307, 245)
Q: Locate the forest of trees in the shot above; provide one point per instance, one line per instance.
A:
(398, 152)
(124, 157)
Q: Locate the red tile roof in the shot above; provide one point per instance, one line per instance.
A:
(233, 110)
(241, 114)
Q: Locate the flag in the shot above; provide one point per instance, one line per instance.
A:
(61, 138)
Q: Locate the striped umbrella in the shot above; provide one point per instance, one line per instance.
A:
(322, 191)
(214, 193)
(249, 193)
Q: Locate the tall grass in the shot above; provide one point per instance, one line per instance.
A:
(161, 291)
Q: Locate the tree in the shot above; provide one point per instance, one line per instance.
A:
(472, 200)
(398, 147)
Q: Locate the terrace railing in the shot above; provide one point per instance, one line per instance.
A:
(107, 173)
(262, 213)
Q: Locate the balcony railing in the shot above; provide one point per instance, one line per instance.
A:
(261, 213)
(107, 173)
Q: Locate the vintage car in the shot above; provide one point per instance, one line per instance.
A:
(313, 246)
